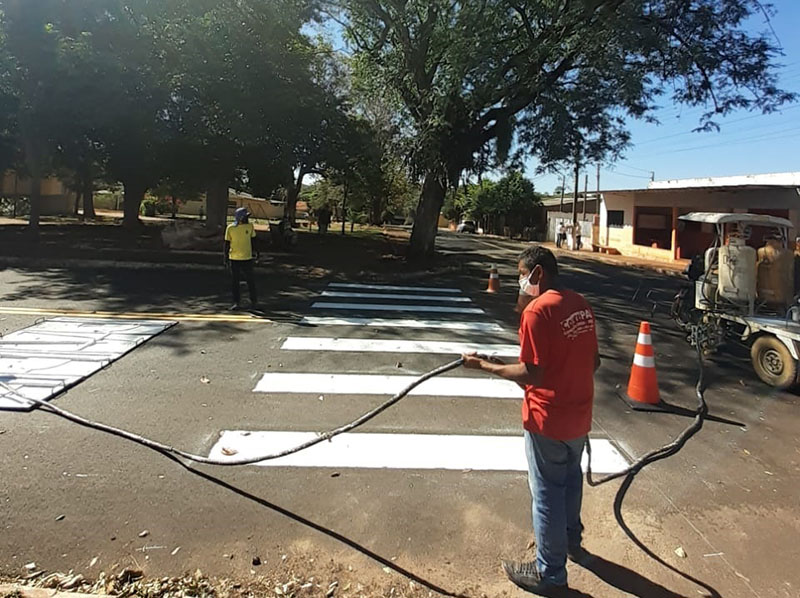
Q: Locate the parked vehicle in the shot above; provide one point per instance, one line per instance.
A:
(468, 226)
(743, 294)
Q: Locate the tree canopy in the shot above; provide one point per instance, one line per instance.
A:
(194, 94)
(552, 79)
(208, 94)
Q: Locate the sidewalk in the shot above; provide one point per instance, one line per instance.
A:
(669, 268)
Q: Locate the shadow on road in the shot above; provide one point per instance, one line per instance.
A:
(611, 573)
(618, 501)
(386, 562)
(622, 578)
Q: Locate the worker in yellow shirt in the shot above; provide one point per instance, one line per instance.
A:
(240, 250)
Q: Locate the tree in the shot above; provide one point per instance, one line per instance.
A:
(245, 106)
(510, 202)
(119, 79)
(473, 77)
(29, 68)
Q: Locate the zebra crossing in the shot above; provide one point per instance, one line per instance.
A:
(398, 449)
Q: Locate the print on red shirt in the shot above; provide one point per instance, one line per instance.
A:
(580, 322)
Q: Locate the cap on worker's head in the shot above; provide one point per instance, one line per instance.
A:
(239, 215)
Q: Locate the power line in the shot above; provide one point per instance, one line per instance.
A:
(639, 169)
(632, 176)
(756, 139)
(723, 136)
(615, 168)
(730, 122)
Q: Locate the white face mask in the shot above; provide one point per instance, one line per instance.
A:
(526, 288)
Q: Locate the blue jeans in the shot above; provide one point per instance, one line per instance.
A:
(556, 482)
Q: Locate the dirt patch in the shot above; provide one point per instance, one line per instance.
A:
(368, 252)
(297, 578)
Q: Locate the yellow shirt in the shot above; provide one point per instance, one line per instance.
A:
(239, 238)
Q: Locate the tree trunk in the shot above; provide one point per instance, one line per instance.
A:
(293, 193)
(33, 159)
(377, 209)
(88, 197)
(217, 205)
(132, 202)
(36, 204)
(423, 235)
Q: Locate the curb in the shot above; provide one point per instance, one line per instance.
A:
(51, 262)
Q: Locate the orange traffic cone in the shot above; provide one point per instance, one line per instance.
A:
(643, 392)
(494, 281)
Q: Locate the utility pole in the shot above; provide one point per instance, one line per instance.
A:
(563, 183)
(652, 176)
(585, 193)
(575, 201)
(597, 199)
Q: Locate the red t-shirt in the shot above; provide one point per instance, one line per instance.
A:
(557, 333)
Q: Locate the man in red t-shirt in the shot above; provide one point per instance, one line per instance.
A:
(558, 359)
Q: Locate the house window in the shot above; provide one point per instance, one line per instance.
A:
(652, 221)
(616, 218)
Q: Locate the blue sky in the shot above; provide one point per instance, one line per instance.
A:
(748, 142)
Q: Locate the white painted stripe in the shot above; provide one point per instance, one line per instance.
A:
(401, 451)
(643, 361)
(393, 307)
(294, 343)
(373, 384)
(645, 339)
(396, 296)
(407, 323)
(388, 287)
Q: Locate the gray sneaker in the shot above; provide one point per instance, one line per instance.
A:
(527, 577)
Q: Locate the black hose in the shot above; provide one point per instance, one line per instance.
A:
(666, 450)
(249, 460)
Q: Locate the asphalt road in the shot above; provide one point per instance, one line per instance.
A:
(728, 500)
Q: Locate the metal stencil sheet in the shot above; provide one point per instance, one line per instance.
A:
(47, 358)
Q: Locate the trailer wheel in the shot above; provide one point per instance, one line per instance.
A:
(773, 362)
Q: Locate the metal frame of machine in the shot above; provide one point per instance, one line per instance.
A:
(732, 310)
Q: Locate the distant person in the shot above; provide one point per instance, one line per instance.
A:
(578, 241)
(240, 240)
(324, 219)
(562, 235)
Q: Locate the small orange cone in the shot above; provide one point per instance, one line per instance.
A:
(643, 385)
(494, 281)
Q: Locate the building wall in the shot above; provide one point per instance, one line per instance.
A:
(621, 237)
(56, 200)
(51, 186)
(556, 219)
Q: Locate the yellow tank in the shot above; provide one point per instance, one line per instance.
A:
(775, 274)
